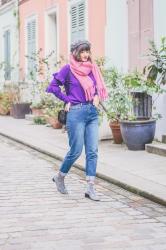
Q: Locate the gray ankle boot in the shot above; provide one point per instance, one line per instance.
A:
(59, 181)
(90, 193)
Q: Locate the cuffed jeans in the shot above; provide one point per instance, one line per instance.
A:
(82, 127)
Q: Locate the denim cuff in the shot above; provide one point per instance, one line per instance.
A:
(90, 178)
(62, 174)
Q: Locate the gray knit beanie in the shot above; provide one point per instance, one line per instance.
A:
(76, 44)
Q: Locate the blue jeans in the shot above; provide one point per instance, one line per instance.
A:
(82, 127)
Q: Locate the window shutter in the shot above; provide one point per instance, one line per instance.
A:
(81, 20)
(78, 21)
(31, 47)
(7, 55)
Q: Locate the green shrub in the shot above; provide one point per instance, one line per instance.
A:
(40, 120)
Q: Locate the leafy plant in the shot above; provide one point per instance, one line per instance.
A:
(5, 103)
(40, 120)
(156, 69)
(10, 95)
(138, 82)
(42, 66)
(37, 105)
(119, 104)
(121, 87)
(52, 111)
(14, 92)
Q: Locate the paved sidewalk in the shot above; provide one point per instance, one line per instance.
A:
(139, 171)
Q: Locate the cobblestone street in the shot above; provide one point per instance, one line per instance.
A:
(34, 216)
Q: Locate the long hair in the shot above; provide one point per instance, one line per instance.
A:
(79, 49)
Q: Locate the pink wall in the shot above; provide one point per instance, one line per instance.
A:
(96, 26)
(140, 21)
(38, 8)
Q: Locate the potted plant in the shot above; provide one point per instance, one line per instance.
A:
(18, 108)
(51, 113)
(37, 108)
(52, 118)
(136, 133)
(138, 128)
(141, 91)
(5, 103)
(119, 101)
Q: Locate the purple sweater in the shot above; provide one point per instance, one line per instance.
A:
(74, 92)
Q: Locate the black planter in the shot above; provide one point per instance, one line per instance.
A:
(136, 134)
(142, 105)
(19, 110)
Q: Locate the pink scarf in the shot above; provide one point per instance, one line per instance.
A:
(81, 71)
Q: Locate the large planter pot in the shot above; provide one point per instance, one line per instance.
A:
(53, 121)
(116, 133)
(19, 110)
(136, 134)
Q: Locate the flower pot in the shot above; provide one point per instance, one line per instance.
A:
(19, 110)
(137, 133)
(116, 133)
(37, 111)
(53, 121)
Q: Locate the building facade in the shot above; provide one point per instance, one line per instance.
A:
(118, 30)
(9, 37)
(130, 24)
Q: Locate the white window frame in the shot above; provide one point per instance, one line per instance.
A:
(52, 10)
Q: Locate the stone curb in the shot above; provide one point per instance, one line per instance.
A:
(99, 175)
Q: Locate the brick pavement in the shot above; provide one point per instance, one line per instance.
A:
(33, 216)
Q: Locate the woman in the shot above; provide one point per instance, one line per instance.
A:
(84, 87)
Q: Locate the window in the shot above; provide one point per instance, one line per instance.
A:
(31, 48)
(7, 56)
(78, 21)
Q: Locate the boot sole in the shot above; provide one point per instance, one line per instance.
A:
(88, 196)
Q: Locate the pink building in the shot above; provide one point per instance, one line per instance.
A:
(53, 24)
(119, 30)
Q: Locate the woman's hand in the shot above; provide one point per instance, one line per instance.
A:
(67, 106)
(96, 101)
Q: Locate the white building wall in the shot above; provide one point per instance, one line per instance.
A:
(116, 44)
(9, 20)
(116, 34)
(159, 8)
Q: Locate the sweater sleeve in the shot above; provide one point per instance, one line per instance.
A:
(58, 80)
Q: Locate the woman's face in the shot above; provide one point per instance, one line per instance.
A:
(84, 55)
